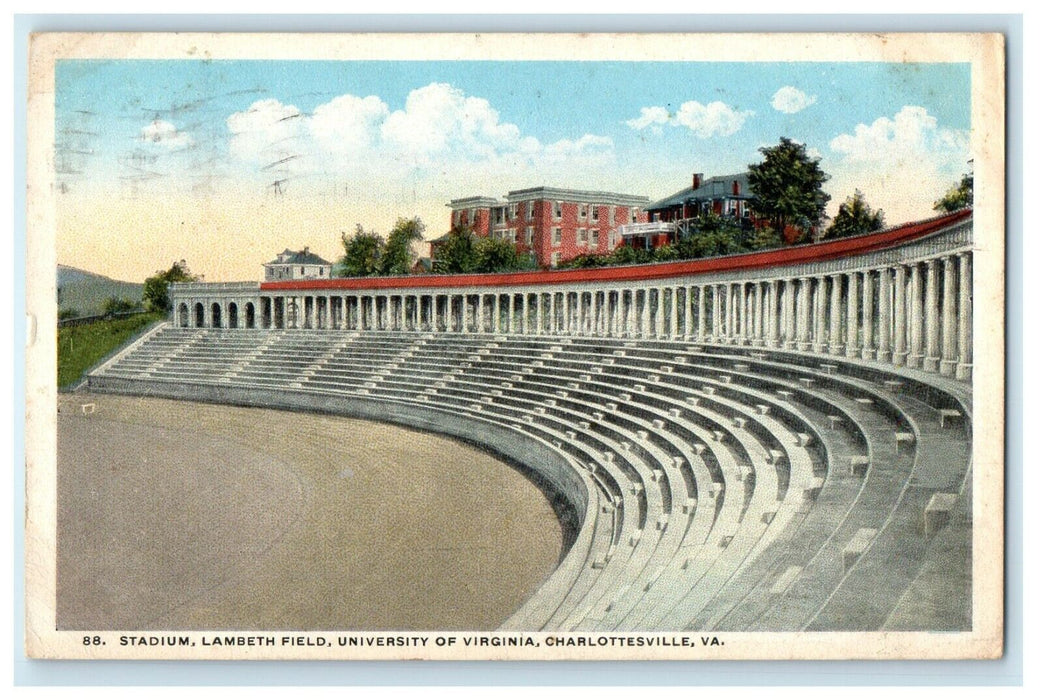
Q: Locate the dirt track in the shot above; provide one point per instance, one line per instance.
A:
(176, 515)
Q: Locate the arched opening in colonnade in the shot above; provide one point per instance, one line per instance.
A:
(215, 315)
(200, 316)
(233, 315)
(249, 309)
(183, 315)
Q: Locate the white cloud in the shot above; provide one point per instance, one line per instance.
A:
(789, 99)
(439, 128)
(347, 124)
(267, 129)
(706, 121)
(903, 163)
(165, 134)
(649, 116)
(714, 119)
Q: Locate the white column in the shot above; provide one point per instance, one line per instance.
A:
(948, 365)
(884, 315)
(821, 315)
(868, 316)
(916, 356)
(789, 332)
(964, 318)
(759, 313)
(836, 343)
(718, 313)
(804, 306)
(701, 318)
(852, 318)
(899, 338)
(931, 317)
(728, 313)
(772, 299)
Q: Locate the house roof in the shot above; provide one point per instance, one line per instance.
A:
(298, 257)
(584, 196)
(719, 187)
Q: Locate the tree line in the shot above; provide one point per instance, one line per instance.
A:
(788, 202)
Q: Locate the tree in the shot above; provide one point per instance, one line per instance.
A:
(398, 256)
(959, 196)
(156, 291)
(711, 235)
(788, 189)
(854, 218)
(456, 253)
(496, 255)
(363, 253)
(118, 305)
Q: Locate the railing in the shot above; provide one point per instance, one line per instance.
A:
(207, 287)
(646, 228)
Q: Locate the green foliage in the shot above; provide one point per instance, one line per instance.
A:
(116, 305)
(456, 254)
(363, 253)
(587, 260)
(498, 255)
(65, 314)
(155, 293)
(765, 238)
(711, 235)
(854, 218)
(82, 347)
(788, 187)
(666, 253)
(463, 251)
(626, 255)
(958, 197)
(398, 256)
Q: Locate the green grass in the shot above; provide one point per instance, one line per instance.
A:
(82, 347)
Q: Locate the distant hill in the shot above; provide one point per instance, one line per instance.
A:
(86, 292)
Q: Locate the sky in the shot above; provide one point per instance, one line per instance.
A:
(224, 163)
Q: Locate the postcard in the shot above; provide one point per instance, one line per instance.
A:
(515, 346)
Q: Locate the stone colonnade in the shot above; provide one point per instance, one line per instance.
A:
(912, 311)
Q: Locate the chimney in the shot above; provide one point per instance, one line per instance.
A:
(735, 187)
(306, 250)
(697, 180)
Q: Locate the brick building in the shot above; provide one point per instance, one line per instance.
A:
(552, 224)
(724, 195)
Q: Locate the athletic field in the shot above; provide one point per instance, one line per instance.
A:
(176, 515)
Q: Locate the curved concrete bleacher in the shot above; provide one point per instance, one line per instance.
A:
(715, 487)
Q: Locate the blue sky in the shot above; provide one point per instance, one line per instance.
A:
(374, 140)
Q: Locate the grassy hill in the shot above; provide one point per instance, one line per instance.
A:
(82, 347)
(86, 293)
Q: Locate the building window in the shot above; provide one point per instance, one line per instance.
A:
(581, 236)
(555, 257)
(583, 211)
(743, 209)
(594, 237)
(302, 271)
(529, 209)
(511, 212)
(634, 215)
(558, 210)
(612, 215)
(557, 240)
(594, 212)
(529, 235)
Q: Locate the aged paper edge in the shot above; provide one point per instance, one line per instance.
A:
(985, 53)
